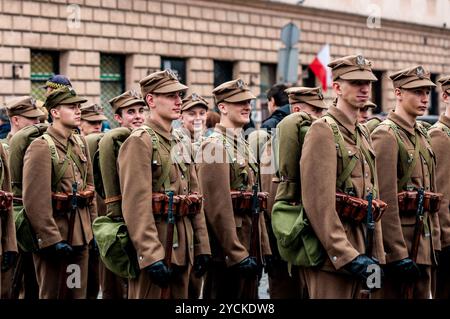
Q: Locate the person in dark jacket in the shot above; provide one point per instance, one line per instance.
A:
(278, 106)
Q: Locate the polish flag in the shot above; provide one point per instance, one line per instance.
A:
(320, 68)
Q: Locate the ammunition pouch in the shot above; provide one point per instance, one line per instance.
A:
(354, 209)
(183, 205)
(408, 202)
(242, 201)
(6, 200)
(62, 202)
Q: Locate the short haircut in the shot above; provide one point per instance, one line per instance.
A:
(277, 93)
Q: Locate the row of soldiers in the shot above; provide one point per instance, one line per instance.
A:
(197, 208)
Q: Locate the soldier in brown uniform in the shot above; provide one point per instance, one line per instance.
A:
(440, 142)
(193, 120)
(338, 163)
(406, 163)
(22, 112)
(227, 168)
(306, 106)
(147, 170)
(129, 111)
(92, 117)
(59, 199)
(8, 244)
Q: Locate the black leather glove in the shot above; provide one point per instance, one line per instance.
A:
(404, 270)
(159, 273)
(247, 267)
(8, 260)
(61, 249)
(358, 267)
(269, 264)
(201, 264)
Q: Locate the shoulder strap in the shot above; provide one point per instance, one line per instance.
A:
(407, 160)
(344, 181)
(164, 178)
(58, 168)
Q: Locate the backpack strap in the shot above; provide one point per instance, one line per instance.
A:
(166, 163)
(58, 168)
(344, 181)
(407, 160)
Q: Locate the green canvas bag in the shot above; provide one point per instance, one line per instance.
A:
(115, 247)
(24, 232)
(296, 240)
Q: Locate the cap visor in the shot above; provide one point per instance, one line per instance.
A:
(73, 100)
(132, 103)
(94, 118)
(241, 96)
(418, 83)
(195, 104)
(33, 113)
(317, 103)
(359, 75)
(174, 87)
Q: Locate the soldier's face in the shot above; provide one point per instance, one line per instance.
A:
(355, 92)
(414, 101)
(194, 118)
(21, 121)
(167, 105)
(312, 110)
(131, 117)
(90, 127)
(237, 113)
(364, 114)
(69, 115)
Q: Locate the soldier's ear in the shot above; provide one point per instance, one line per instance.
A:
(150, 99)
(446, 97)
(398, 93)
(222, 108)
(54, 112)
(296, 108)
(337, 88)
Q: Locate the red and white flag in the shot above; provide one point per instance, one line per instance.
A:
(320, 68)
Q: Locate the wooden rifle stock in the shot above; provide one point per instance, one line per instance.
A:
(63, 289)
(365, 292)
(165, 292)
(250, 290)
(418, 229)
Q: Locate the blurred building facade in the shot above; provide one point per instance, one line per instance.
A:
(107, 46)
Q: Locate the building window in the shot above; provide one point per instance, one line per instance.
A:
(377, 92)
(223, 72)
(44, 64)
(268, 79)
(112, 81)
(434, 97)
(178, 66)
(308, 77)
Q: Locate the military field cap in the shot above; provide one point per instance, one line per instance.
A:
(411, 78)
(312, 96)
(64, 95)
(24, 106)
(126, 99)
(370, 104)
(93, 113)
(232, 91)
(161, 82)
(445, 83)
(352, 67)
(193, 100)
(57, 81)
